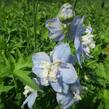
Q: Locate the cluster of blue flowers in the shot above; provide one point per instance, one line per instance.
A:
(56, 69)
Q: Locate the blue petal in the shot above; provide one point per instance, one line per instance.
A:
(77, 42)
(61, 53)
(42, 73)
(53, 24)
(41, 81)
(76, 28)
(59, 86)
(78, 54)
(65, 88)
(57, 36)
(56, 30)
(77, 31)
(72, 59)
(56, 86)
(81, 55)
(44, 81)
(39, 70)
(30, 100)
(65, 100)
(40, 57)
(68, 73)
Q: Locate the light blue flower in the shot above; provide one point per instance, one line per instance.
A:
(55, 70)
(82, 37)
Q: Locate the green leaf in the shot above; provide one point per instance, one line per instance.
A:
(23, 76)
(4, 71)
(23, 63)
(5, 88)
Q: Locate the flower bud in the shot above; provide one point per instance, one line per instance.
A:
(66, 13)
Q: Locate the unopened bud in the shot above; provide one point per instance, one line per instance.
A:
(66, 13)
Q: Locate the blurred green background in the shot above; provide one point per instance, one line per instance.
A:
(23, 32)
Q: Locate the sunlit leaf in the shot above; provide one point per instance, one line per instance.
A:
(23, 76)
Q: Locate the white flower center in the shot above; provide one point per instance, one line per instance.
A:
(27, 90)
(50, 70)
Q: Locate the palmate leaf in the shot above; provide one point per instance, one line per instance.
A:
(23, 63)
(23, 76)
(5, 88)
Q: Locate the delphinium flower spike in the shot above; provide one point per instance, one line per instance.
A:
(56, 70)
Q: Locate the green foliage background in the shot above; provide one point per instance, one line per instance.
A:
(23, 32)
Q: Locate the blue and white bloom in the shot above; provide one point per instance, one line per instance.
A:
(30, 100)
(83, 43)
(51, 68)
(58, 26)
